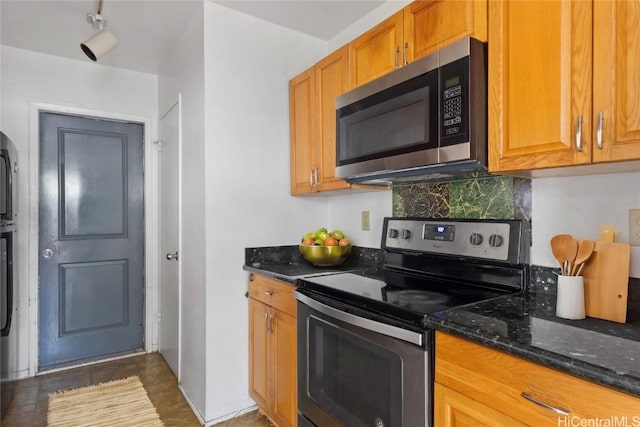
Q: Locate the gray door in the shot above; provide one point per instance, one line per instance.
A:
(91, 288)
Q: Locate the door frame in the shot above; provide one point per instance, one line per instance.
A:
(150, 169)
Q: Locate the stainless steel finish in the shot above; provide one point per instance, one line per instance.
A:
(579, 134)
(462, 243)
(454, 153)
(400, 161)
(404, 54)
(370, 325)
(599, 129)
(559, 411)
(47, 253)
(395, 57)
(494, 240)
(172, 256)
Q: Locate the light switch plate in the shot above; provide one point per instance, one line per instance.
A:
(634, 227)
(366, 226)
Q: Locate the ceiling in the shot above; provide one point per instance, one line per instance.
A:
(146, 28)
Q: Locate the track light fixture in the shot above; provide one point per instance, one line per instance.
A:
(101, 43)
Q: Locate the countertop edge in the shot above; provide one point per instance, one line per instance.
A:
(287, 279)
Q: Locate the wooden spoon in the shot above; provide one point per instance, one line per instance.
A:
(570, 252)
(558, 243)
(585, 250)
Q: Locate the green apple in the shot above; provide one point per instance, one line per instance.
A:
(338, 234)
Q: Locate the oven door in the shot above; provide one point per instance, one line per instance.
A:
(353, 372)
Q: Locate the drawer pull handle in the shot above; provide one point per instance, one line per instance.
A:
(544, 405)
(268, 293)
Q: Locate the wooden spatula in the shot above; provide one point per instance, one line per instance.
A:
(585, 250)
(558, 244)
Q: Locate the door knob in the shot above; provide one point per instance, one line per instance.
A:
(47, 253)
(172, 256)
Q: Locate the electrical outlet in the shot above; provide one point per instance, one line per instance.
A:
(366, 226)
(634, 227)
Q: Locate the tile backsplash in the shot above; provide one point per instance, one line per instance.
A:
(495, 197)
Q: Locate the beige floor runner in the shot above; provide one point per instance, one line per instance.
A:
(120, 403)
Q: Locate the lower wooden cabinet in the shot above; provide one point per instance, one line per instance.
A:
(272, 349)
(478, 386)
(457, 410)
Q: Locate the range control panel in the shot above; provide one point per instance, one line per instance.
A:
(487, 239)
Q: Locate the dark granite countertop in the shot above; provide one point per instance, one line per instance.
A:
(286, 263)
(522, 324)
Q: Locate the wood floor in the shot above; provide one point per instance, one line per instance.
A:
(25, 402)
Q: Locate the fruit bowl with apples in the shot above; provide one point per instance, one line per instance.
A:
(325, 249)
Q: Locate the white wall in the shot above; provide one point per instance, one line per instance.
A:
(345, 213)
(182, 71)
(578, 206)
(248, 63)
(28, 77)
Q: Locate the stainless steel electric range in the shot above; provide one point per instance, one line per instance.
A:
(365, 352)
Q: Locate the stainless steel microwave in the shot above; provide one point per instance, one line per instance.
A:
(428, 117)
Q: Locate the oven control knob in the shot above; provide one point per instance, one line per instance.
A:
(495, 240)
(475, 239)
(406, 233)
(393, 233)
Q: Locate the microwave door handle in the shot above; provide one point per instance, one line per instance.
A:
(361, 322)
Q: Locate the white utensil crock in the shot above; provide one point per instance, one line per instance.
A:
(570, 301)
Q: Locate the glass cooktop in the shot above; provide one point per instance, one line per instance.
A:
(402, 296)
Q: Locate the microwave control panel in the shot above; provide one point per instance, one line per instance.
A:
(454, 114)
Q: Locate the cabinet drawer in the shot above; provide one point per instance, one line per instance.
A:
(274, 293)
(503, 382)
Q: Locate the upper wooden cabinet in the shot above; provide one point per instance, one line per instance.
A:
(419, 29)
(312, 103)
(302, 122)
(376, 52)
(616, 80)
(555, 69)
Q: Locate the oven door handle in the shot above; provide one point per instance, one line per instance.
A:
(361, 322)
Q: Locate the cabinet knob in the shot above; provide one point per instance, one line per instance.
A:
(268, 293)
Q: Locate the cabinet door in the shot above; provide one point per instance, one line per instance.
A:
(452, 409)
(433, 24)
(331, 80)
(540, 61)
(283, 369)
(616, 80)
(302, 131)
(376, 52)
(258, 352)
